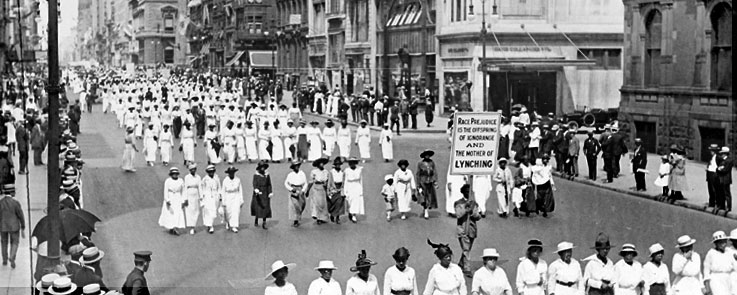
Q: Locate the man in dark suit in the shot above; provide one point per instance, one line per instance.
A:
(560, 143)
(12, 224)
(639, 165)
(23, 137)
(724, 180)
(606, 155)
(618, 149)
(135, 283)
(38, 143)
(591, 149)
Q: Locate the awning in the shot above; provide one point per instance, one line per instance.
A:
(235, 59)
(205, 48)
(262, 59)
(522, 52)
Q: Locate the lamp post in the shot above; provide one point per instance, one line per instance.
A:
(483, 44)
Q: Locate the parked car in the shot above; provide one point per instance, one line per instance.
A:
(594, 118)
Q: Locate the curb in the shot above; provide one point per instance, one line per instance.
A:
(377, 128)
(702, 208)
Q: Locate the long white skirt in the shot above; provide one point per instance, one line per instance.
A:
(188, 149)
(229, 153)
(165, 152)
(277, 151)
(329, 147)
(502, 199)
(151, 148)
(387, 151)
(212, 156)
(354, 198)
(128, 156)
(315, 151)
(345, 148)
(404, 196)
(288, 142)
(251, 149)
(720, 284)
(263, 154)
(364, 148)
(482, 196)
(240, 145)
(192, 211)
(209, 206)
(232, 210)
(172, 216)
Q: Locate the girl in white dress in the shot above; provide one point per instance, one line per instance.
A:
(210, 135)
(232, 199)
(264, 136)
(187, 144)
(150, 145)
(193, 193)
(250, 139)
(353, 189)
(344, 140)
(386, 143)
(404, 186)
(240, 142)
(329, 136)
(289, 135)
(315, 142)
(228, 139)
(277, 150)
(363, 138)
(172, 212)
(165, 144)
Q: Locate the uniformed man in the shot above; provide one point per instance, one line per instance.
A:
(467, 212)
(135, 283)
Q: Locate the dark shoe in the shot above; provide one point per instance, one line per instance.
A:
(295, 224)
(12, 264)
(545, 214)
(263, 225)
(516, 212)
(5, 262)
(21, 172)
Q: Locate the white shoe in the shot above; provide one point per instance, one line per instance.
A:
(427, 214)
(235, 230)
(191, 231)
(404, 217)
(227, 226)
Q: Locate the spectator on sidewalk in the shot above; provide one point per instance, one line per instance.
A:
(7, 172)
(574, 148)
(12, 224)
(639, 165)
(38, 143)
(413, 111)
(618, 149)
(591, 150)
(379, 109)
(23, 138)
(404, 112)
(724, 180)
(664, 176)
(561, 148)
(429, 107)
(677, 182)
(711, 174)
(394, 113)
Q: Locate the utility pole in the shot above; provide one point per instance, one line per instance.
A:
(483, 55)
(52, 134)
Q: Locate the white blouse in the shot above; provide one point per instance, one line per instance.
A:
(357, 286)
(445, 281)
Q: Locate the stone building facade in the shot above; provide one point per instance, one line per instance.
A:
(155, 24)
(678, 75)
(292, 20)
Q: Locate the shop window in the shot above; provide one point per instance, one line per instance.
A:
(169, 23)
(359, 20)
(653, 24)
(721, 48)
(169, 55)
(522, 7)
(458, 11)
(605, 58)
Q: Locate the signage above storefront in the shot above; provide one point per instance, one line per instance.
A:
(457, 50)
(295, 19)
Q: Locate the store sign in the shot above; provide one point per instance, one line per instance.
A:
(475, 143)
(295, 19)
(457, 50)
(522, 48)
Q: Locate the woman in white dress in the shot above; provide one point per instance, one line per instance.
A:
(10, 127)
(210, 198)
(296, 184)
(192, 185)
(687, 268)
(139, 125)
(250, 138)
(289, 135)
(363, 138)
(481, 191)
(386, 143)
(277, 149)
(453, 191)
(363, 282)
(240, 143)
(329, 136)
(353, 189)
(172, 211)
(150, 145)
(315, 141)
(211, 136)
(228, 138)
(279, 272)
(187, 144)
(445, 277)
(130, 150)
(165, 144)
(232, 199)
(490, 278)
(404, 187)
(344, 140)
(264, 137)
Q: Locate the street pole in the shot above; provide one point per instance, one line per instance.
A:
(52, 134)
(483, 55)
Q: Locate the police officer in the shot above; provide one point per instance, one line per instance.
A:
(135, 283)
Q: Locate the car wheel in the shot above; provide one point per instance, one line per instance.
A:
(588, 120)
(572, 125)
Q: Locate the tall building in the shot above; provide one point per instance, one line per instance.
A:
(123, 45)
(155, 27)
(360, 35)
(292, 44)
(85, 38)
(551, 56)
(678, 75)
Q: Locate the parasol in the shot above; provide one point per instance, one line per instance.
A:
(73, 222)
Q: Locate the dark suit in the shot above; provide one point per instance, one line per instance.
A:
(591, 149)
(12, 222)
(639, 161)
(86, 275)
(711, 180)
(24, 141)
(560, 143)
(618, 149)
(135, 283)
(723, 183)
(606, 155)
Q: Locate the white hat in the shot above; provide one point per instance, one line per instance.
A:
(92, 289)
(490, 252)
(628, 248)
(718, 236)
(655, 248)
(684, 241)
(46, 282)
(325, 264)
(388, 176)
(563, 246)
(62, 286)
(733, 234)
(277, 265)
(724, 150)
(91, 255)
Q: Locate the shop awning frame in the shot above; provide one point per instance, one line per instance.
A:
(235, 59)
(493, 65)
(205, 48)
(262, 59)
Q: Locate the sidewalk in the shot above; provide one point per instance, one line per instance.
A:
(438, 125)
(697, 197)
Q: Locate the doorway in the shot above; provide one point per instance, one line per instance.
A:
(710, 136)
(535, 90)
(646, 132)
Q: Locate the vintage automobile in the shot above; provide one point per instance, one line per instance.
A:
(593, 118)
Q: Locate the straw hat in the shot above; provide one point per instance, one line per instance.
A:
(91, 255)
(173, 170)
(563, 246)
(92, 289)
(277, 265)
(655, 249)
(46, 282)
(733, 234)
(490, 252)
(325, 264)
(628, 248)
(684, 241)
(62, 286)
(718, 236)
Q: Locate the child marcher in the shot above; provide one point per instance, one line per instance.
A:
(390, 198)
(663, 176)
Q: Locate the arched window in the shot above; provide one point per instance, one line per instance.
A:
(653, 24)
(721, 47)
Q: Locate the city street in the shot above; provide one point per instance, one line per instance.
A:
(129, 205)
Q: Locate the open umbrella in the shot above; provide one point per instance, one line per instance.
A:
(73, 222)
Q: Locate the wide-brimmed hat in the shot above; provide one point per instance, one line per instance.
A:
(62, 286)
(338, 161)
(502, 159)
(325, 264)
(427, 152)
(262, 165)
(684, 241)
(210, 168)
(733, 234)
(362, 262)
(602, 242)
(402, 162)
(173, 170)
(490, 252)
(363, 122)
(718, 236)
(277, 265)
(92, 289)
(353, 160)
(91, 255)
(231, 169)
(655, 249)
(314, 123)
(388, 176)
(714, 147)
(320, 161)
(46, 282)
(534, 243)
(628, 248)
(563, 246)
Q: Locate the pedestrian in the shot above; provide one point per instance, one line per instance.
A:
(428, 182)
(481, 191)
(389, 195)
(87, 274)
(445, 277)
(277, 149)
(172, 210)
(136, 283)
(687, 268)
(7, 172)
(264, 142)
(400, 278)
(532, 271)
(504, 144)
(329, 136)
(454, 182)
(211, 197)
(62, 286)
(724, 181)
(523, 195)
(314, 138)
(405, 187)
(628, 272)
(394, 114)
(296, 184)
(38, 143)
(404, 111)
(317, 190)
(504, 184)
(193, 195)
(150, 144)
(262, 193)
(353, 189)
(363, 282)
(378, 109)
(290, 140)
(385, 141)
(664, 176)
(490, 278)
(279, 273)
(336, 196)
(719, 266)
(533, 148)
(250, 136)
(325, 284)
(212, 144)
(12, 224)
(344, 140)
(187, 144)
(413, 111)
(639, 165)
(303, 145)
(232, 199)
(542, 179)
(677, 183)
(165, 143)
(467, 214)
(599, 272)
(363, 139)
(711, 174)
(564, 274)
(23, 138)
(655, 273)
(618, 149)
(574, 147)
(429, 108)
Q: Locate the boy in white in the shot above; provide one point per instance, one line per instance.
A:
(390, 198)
